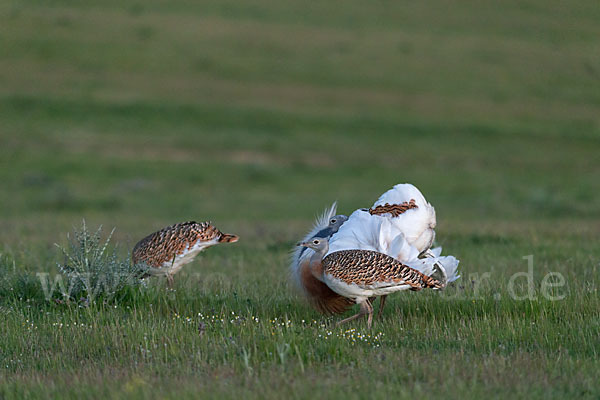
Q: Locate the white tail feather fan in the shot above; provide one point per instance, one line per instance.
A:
(417, 224)
(405, 237)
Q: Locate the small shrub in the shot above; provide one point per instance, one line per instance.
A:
(95, 271)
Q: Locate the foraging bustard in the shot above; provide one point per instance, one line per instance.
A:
(165, 252)
(318, 294)
(360, 275)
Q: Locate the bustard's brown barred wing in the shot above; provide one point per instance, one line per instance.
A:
(368, 268)
(393, 209)
(162, 246)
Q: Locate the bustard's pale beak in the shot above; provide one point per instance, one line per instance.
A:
(301, 244)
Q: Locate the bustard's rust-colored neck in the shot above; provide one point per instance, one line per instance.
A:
(316, 261)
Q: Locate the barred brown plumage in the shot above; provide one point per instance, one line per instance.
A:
(317, 293)
(169, 249)
(375, 252)
(368, 268)
(393, 209)
(360, 275)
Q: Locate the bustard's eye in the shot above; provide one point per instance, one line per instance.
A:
(315, 242)
(333, 221)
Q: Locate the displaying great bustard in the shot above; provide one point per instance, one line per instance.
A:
(400, 224)
(165, 252)
(360, 275)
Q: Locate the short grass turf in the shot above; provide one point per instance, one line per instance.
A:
(258, 114)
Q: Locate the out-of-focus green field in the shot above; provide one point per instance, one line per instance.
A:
(258, 114)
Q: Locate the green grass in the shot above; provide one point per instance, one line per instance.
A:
(258, 114)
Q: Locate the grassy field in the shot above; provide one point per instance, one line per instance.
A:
(258, 114)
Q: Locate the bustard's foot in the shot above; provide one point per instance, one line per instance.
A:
(352, 318)
(170, 281)
(365, 308)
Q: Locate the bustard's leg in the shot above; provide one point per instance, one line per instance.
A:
(169, 274)
(352, 318)
(365, 308)
(381, 305)
(370, 314)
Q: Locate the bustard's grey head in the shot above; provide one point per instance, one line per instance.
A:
(335, 222)
(318, 244)
(332, 227)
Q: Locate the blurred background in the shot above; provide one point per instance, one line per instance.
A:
(258, 114)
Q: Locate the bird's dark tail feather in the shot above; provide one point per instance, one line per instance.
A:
(227, 238)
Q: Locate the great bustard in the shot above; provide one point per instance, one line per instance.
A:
(360, 275)
(165, 252)
(400, 224)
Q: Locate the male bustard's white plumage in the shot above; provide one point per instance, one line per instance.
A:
(360, 275)
(401, 214)
(401, 225)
